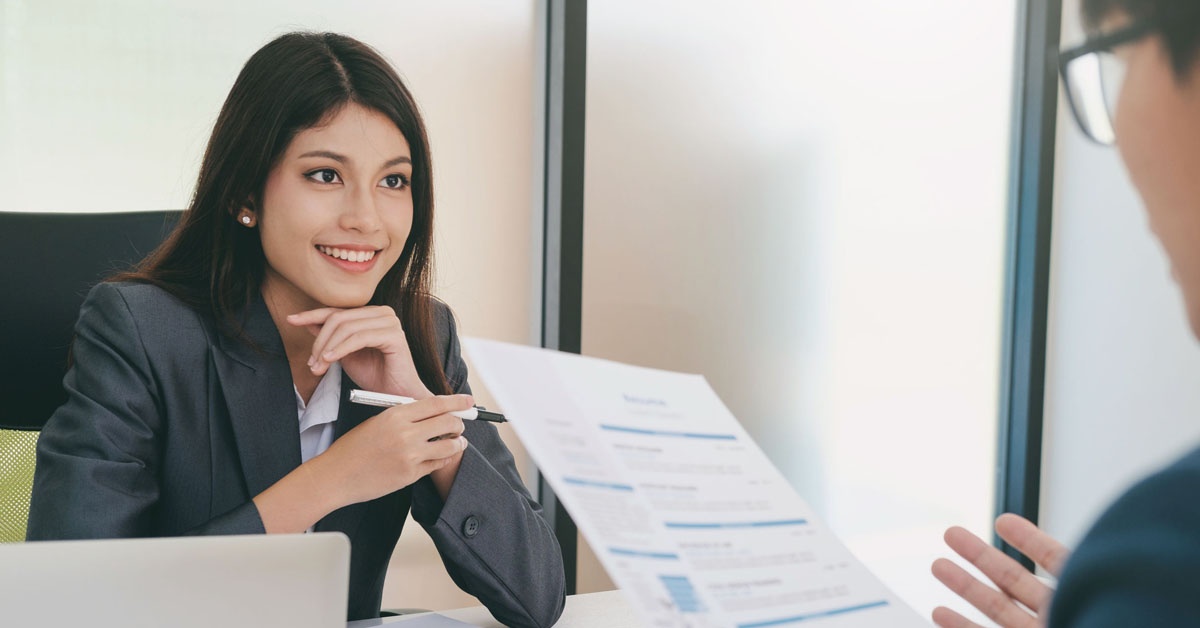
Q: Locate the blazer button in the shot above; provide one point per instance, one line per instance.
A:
(471, 526)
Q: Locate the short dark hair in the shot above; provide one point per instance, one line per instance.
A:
(293, 83)
(1178, 22)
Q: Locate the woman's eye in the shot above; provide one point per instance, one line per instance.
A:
(395, 182)
(324, 175)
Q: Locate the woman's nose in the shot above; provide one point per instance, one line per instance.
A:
(360, 212)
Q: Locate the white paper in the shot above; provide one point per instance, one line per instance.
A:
(685, 512)
(423, 620)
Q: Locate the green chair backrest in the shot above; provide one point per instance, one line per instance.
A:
(18, 449)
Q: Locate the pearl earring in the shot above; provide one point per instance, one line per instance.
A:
(246, 220)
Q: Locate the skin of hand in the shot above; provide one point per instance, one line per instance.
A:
(1023, 600)
(398, 447)
(370, 344)
(383, 454)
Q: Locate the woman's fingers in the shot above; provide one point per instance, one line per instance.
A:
(336, 333)
(1012, 578)
(438, 405)
(356, 337)
(444, 449)
(429, 466)
(1022, 534)
(331, 320)
(439, 427)
(393, 449)
(992, 603)
(339, 324)
(312, 317)
(431, 418)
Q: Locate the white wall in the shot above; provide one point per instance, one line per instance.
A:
(1123, 372)
(106, 106)
(805, 202)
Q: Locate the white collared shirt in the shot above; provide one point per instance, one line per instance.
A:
(318, 415)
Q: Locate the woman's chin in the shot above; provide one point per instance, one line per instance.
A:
(345, 301)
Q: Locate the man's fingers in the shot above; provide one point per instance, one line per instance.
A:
(947, 618)
(997, 606)
(1013, 579)
(1032, 542)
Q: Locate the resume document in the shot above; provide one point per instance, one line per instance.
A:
(685, 512)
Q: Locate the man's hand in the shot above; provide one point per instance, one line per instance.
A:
(1023, 600)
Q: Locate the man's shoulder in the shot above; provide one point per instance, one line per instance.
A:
(1161, 493)
(1141, 557)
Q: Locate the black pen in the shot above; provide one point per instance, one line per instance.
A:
(381, 400)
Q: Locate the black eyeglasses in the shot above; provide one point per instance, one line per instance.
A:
(1093, 76)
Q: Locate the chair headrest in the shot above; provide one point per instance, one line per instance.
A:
(48, 262)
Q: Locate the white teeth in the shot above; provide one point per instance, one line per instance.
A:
(349, 256)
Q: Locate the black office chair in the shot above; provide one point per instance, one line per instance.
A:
(48, 262)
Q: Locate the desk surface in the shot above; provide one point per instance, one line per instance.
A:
(607, 609)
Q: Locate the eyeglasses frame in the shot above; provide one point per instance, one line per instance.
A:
(1101, 43)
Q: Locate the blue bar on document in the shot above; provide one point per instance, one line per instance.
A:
(639, 430)
(640, 554)
(818, 615)
(682, 593)
(736, 524)
(596, 484)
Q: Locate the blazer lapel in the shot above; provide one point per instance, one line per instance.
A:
(350, 415)
(258, 389)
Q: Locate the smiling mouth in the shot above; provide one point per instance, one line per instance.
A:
(346, 254)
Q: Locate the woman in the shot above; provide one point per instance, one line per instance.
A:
(300, 270)
(1140, 563)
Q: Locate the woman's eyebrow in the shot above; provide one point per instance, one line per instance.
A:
(342, 159)
(396, 161)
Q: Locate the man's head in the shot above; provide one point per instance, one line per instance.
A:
(1181, 36)
(1157, 123)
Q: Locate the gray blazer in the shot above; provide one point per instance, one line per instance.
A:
(171, 428)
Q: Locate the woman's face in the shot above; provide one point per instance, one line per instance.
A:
(1158, 135)
(336, 212)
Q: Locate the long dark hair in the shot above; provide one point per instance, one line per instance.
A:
(291, 84)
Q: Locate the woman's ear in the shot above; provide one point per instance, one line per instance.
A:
(247, 216)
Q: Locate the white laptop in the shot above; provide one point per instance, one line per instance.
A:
(292, 581)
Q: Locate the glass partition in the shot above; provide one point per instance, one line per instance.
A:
(806, 203)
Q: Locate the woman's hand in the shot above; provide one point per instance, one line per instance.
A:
(370, 344)
(395, 448)
(382, 455)
(1017, 585)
